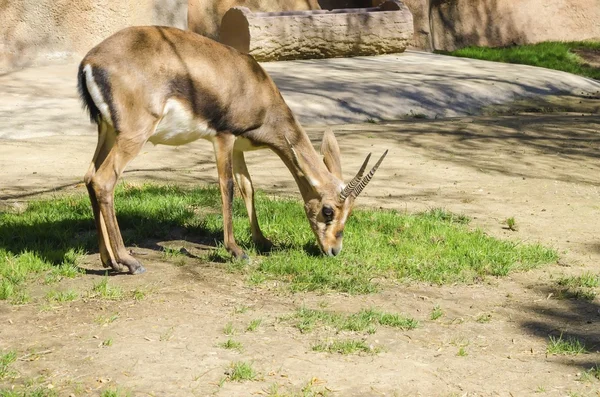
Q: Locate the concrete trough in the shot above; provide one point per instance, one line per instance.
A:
(274, 36)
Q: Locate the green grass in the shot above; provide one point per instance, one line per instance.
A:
(365, 320)
(566, 346)
(114, 393)
(61, 296)
(310, 389)
(579, 287)
(436, 313)
(511, 224)
(6, 360)
(254, 324)
(37, 392)
(343, 346)
(103, 290)
(230, 344)
(586, 280)
(551, 55)
(241, 371)
(228, 329)
(435, 246)
(592, 374)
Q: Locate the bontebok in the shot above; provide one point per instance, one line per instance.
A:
(172, 87)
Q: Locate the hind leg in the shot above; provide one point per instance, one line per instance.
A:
(116, 152)
(102, 149)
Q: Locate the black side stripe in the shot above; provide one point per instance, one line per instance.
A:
(101, 78)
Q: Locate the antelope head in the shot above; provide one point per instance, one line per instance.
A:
(331, 201)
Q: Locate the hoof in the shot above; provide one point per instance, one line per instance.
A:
(241, 256)
(134, 266)
(139, 270)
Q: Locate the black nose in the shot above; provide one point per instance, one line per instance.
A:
(334, 251)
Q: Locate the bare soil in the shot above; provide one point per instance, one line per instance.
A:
(590, 56)
(543, 170)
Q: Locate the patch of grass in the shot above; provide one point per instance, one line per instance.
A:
(107, 342)
(511, 224)
(254, 324)
(462, 352)
(20, 298)
(310, 389)
(565, 346)
(436, 313)
(138, 294)
(105, 320)
(371, 121)
(240, 309)
(591, 374)
(579, 287)
(240, 371)
(61, 296)
(37, 392)
(551, 55)
(365, 320)
(6, 360)
(69, 268)
(167, 335)
(105, 291)
(484, 318)
(228, 329)
(435, 246)
(170, 253)
(586, 280)
(230, 344)
(114, 393)
(345, 347)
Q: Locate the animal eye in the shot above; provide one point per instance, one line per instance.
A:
(327, 212)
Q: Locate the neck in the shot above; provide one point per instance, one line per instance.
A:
(305, 164)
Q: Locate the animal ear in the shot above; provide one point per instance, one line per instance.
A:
(331, 154)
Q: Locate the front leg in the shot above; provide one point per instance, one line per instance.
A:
(242, 177)
(223, 144)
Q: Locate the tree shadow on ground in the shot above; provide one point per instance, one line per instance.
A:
(573, 318)
(50, 237)
(553, 147)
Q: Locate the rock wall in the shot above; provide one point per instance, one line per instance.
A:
(459, 23)
(37, 30)
(318, 34)
(452, 24)
(204, 16)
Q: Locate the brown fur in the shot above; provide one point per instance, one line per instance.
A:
(138, 69)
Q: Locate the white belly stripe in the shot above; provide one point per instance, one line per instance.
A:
(179, 126)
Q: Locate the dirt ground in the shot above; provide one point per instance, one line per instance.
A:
(543, 170)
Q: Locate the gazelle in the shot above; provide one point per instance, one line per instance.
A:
(172, 87)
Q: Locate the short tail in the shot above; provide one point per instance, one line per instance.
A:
(86, 98)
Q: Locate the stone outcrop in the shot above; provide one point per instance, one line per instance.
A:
(319, 34)
(204, 16)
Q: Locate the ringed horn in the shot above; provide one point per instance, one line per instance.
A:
(357, 184)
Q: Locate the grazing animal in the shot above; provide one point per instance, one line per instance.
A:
(172, 87)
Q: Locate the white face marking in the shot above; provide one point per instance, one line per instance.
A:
(313, 182)
(96, 95)
(179, 126)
